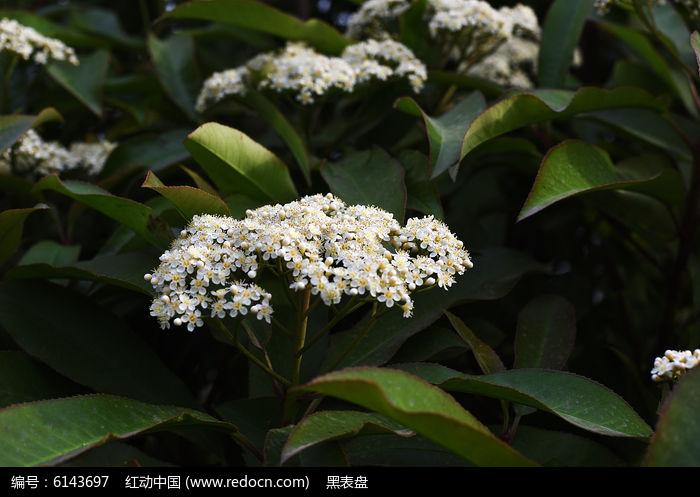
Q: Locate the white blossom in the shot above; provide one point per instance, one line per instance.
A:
(318, 244)
(28, 43)
(673, 364)
(32, 155)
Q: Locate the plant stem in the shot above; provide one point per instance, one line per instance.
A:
(360, 336)
(299, 337)
(248, 354)
(349, 307)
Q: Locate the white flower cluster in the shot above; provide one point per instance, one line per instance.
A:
(511, 64)
(33, 155)
(673, 364)
(471, 29)
(383, 60)
(222, 84)
(317, 243)
(374, 18)
(27, 42)
(306, 74)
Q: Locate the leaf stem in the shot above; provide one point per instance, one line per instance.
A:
(248, 354)
(299, 337)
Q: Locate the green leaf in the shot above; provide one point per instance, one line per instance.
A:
(572, 168)
(646, 125)
(546, 333)
(560, 34)
(276, 119)
(695, 43)
(578, 400)
(86, 343)
(446, 133)
(333, 425)
(51, 253)
(53, 431)
(486, 357)
(421, 407)
(103, 24)
(153, 152)
(465, 82)
(14, 126)
(368, 177)
(495, 273)
(261, 17)
(132, 214)
(675, 80)
(189, 201)
(175, 64)
(676, 441)
(11, 226)
(421, 193)
(124, 270)
(390, 450)
(553, 448)
(253, 416)
(24, 379)
(524, 108)
(85, 80)
(237, 164)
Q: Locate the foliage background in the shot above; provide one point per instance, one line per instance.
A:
(598, 284)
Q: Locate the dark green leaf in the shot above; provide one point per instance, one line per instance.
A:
(261, 17)
(560, 34)
(546, 333)
(152, 152)
(85, 80)
(276, 119)
(86, 343)
(51, 253)
(138, 217)
(421, 407)
(332, 425)
(578, 400)
(675, 80)
(14, 126)
(53, 431)
(552, 448)
(522, 109)
(237, 164)
(446, 133)
(189, 201)
(393, 451)
(421, 193)
(124, 270)
(486, 357)
(572, 168)
(646, 125)
(495, 273)
(676, 441)
(368, 178)
(254, 417)
(24, 379)
(11, 226)
(103, 24)
(174, 62)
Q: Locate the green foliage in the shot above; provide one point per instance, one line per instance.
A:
(574, 187)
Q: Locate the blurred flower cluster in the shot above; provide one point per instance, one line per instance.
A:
(33, 156)
(28, 43)
(306, 74)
